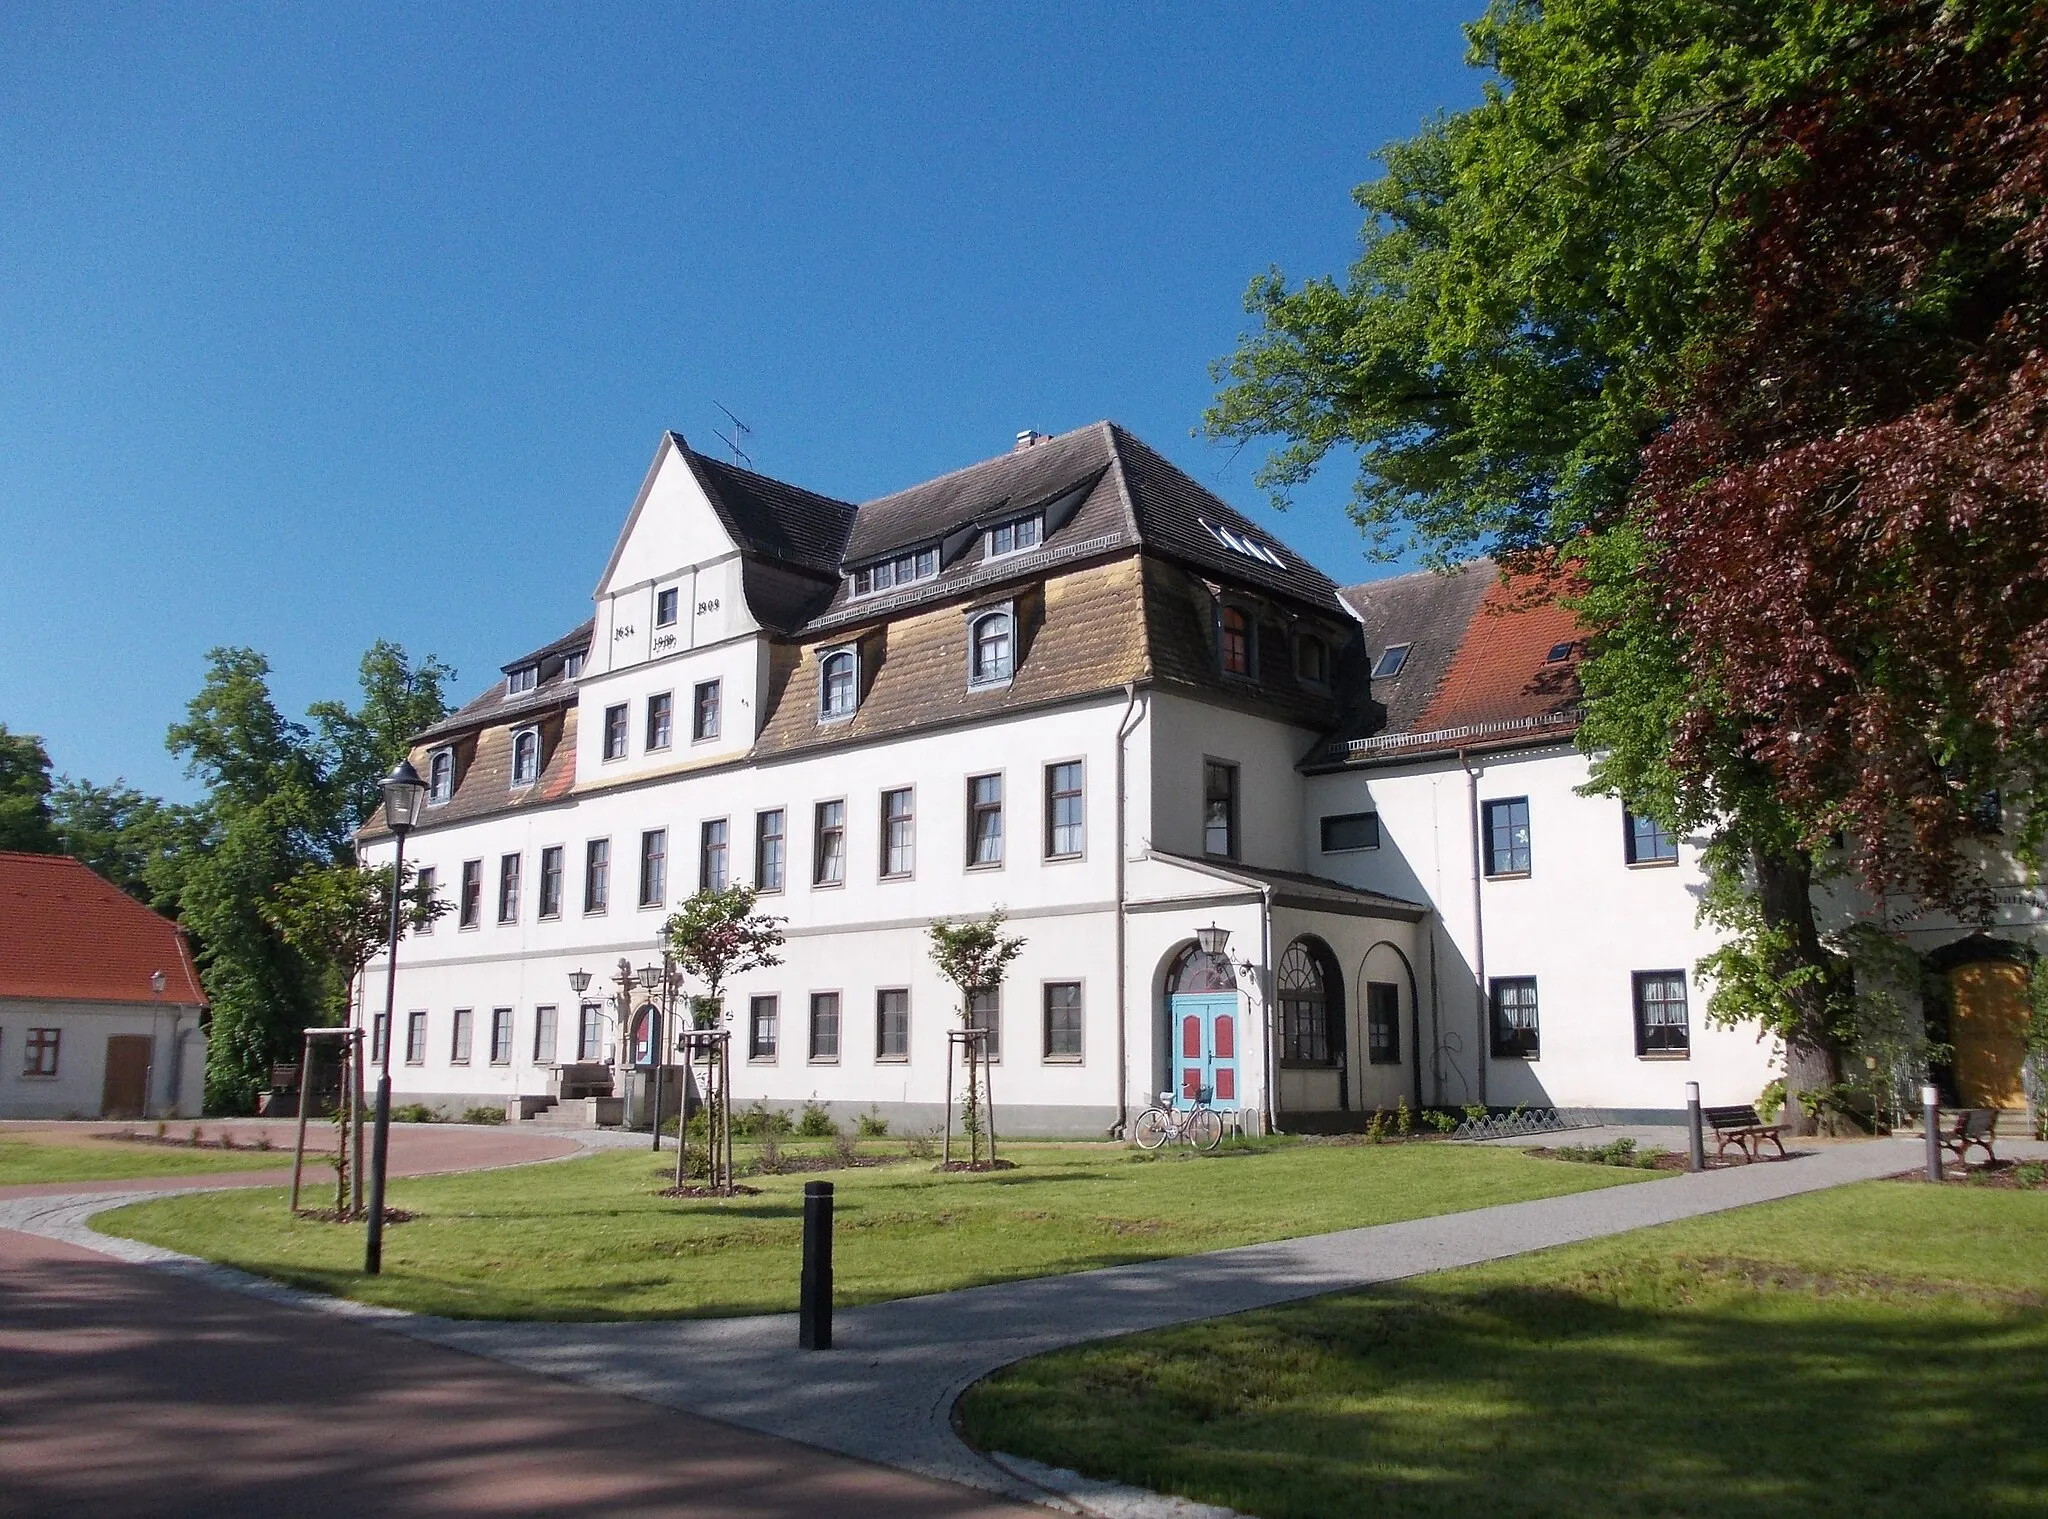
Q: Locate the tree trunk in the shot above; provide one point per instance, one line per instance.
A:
(1813, 1056)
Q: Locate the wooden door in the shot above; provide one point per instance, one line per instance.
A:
(1989, 1029)
(1205, 1040)
(125, 1091)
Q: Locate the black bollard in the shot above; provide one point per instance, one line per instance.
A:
(814, 1295)
(1696, 1140)
(1930, 1115)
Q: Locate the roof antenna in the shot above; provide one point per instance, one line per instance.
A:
(739, 432)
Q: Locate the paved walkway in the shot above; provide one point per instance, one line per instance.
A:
(886, 1392)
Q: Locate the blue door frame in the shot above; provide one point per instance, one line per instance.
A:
(1207, 1029)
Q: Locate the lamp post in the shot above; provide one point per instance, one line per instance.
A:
(650, 977)
(157, 981)
(404, 794)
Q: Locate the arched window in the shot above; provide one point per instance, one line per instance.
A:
(1237, 642)
(441, 775)
(991, 643)
(1305, 1004)
(526, 757)
(836, 684)
(1193, 971)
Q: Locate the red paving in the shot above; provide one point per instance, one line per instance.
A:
(129, 1391)
(416, 1149)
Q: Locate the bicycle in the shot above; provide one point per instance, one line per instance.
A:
(1198, 1127)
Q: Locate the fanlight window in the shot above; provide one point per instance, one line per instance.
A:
(526, 757)
(992, 642)
(836, 686)
(1304, 1007)
(1194, 972)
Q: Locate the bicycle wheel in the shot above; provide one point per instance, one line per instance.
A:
(1150, 1129)
(1205, 1129)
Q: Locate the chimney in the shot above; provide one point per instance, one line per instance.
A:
(1026, 438)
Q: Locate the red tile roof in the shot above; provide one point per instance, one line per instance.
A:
(1501, 670)
(67, 934)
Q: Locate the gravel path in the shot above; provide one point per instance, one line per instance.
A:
(886, 1392)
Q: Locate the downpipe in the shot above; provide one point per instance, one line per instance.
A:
(1481, 1052)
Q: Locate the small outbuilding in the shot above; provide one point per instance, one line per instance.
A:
(101, 1011)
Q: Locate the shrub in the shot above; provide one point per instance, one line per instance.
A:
(768, 1159)
(482, 1114)
(816, 1123)
(1771, 1101)
(922, 1145)
(1476, 1111)
(2030, 1173)
(415, 1112)
(1404, 1121)
(1620, 1152)
(871, 1124)
(756, 1121)
(843, 1147)
(1439, 1120)
(1376, 1130)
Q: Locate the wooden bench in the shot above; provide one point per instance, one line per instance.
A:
(1744, 1128)
(1974, 1130)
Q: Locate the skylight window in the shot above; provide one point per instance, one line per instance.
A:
(904, 569)
(1391, 661)
(1560, 652)
(1243, 543)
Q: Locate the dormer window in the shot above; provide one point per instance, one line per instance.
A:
(838, 685)
(1236, 628)
(1312, 660)
(525, 756)
(525, 678)
(1391, 659)
(572, 665)
(1016, 535)
(665, 607)
(902, 570)
(991, 646)
(441, 776)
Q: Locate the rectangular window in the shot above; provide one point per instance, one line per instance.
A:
(501, 1036)
(828, 861)
(39, 1054)
(427, 879)
(1235, 627)
(1063, 814)
(1644, 841)
(572, 665)
(654, 867)
(597, 875)
(1507, 836)
(551, 881)
(1062, 1020)
(665, 603)
(768, 850)
(458, 1043)
(985, 1010)
(1514, 1018)
(380, 1036)
(615, 732)
(1346, 831)
(1382, 1023)
(984, 820)
(544, 1046)
(764, 1016)
(471, 908)
(1015, 536)
(523, 679)
(661, 712)
(704, 711)
(899, 844)
(711, 855)
(824, 1025)
(892, 1024)
(1219, 809)
(590, 1031)
(508, 888)
(416, 1037)
(1661, 1024)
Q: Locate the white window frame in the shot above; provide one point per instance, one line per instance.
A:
(1007, 610)
(825, 657)
(518, 682)
(531, 731)
(988, 542)
(436, 795)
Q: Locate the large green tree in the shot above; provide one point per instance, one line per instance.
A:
(25, 794)
(136, 841)
(359, 745)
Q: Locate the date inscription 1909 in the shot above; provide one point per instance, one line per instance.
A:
(707, 606)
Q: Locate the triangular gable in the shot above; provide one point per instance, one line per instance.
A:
(673, 524)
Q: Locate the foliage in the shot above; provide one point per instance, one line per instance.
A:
(340, 915)
(415, 1112)
(758, 1121)
(1770, 1102)
(871, 1124)
(815, 1122)
(974, 956)
(138, 842)
(1616, 1152)
(717, 934)
(483, 1114)
(25, 818)
(358, 747)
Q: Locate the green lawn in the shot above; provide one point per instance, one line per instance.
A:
(44, 1158)
(590, 1239)
(1877, 1350)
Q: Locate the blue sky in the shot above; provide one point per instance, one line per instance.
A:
(325, 324)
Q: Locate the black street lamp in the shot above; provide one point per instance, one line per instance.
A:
(650, 977)
(404, 794)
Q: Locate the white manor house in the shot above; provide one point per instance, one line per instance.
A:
(1070, 683)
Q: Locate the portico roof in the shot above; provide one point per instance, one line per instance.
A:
(1296, 889)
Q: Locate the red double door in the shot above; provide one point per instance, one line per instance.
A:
(1205, 1047)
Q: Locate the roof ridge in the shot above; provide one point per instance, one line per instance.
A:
(1427, 572)
(931, 480)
